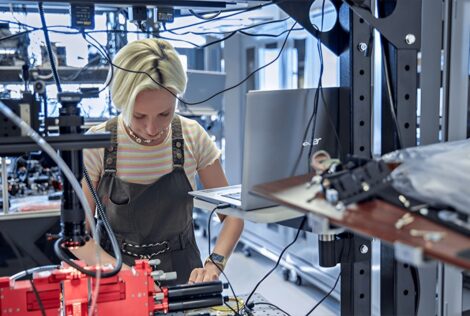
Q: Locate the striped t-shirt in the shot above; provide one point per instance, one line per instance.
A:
(137, 163)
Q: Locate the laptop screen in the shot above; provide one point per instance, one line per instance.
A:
(275, 123)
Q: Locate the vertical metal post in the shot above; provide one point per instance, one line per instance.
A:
(427, 289)
(361, 86)
(401, 287)
(405, 289)
(430, 77)
(355, 110)
(406, 94)
(355, 121)
(398, 280)
(388, 138)
(356, 273)
(398, 285)
(356, 277)
(402, 65)
(5, 186)
(451, 291)
(456, 69)
(404, 83)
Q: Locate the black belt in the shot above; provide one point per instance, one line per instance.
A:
(153, 249)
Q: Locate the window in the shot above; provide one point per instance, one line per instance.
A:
(269, 77)
(281, 74)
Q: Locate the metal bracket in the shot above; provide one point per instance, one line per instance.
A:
(336, 39)
(402, 27)
(360, 70)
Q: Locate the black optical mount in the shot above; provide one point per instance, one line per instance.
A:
(72, 215)
(342, 248)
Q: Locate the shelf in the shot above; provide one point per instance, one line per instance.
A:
(91, 75)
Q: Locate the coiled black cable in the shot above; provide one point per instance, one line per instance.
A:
(107, 226)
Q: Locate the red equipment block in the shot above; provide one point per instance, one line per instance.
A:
(131, 292)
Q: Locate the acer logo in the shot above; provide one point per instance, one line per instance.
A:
(316, 141)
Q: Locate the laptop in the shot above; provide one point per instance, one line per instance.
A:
(274, 128)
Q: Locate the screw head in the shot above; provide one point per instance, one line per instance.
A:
(410, 39)
(365, 186)
(364, 249)
(340, 206)
(424, 211)
(362, 47)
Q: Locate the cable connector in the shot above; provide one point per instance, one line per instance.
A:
(222, 206)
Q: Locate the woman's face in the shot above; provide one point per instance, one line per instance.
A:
(153, 113)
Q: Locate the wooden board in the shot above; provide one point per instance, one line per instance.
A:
(376, 219)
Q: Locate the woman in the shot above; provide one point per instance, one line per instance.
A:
(144, 178)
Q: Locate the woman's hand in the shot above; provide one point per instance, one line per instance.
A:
(210, 272)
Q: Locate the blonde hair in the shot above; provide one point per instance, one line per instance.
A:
(154, 56)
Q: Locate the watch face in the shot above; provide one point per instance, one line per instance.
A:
(217, 258)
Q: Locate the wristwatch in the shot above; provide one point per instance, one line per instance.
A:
(216, 259)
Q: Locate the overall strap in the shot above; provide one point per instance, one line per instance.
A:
(177, 142)
(110, 153)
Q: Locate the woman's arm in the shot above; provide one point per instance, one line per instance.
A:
(213, 176)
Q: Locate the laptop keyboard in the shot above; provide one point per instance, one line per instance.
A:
(236, 196)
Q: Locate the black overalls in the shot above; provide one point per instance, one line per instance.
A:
(155, 220)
